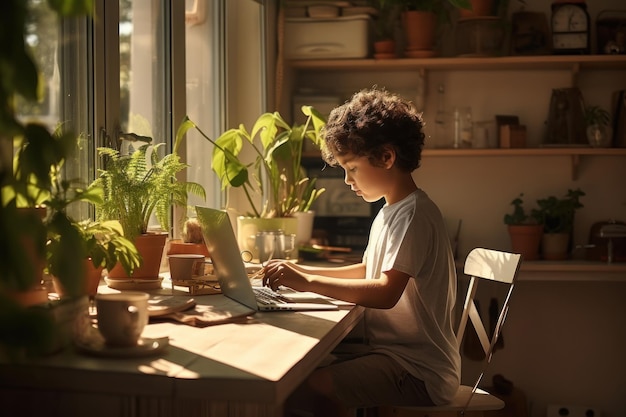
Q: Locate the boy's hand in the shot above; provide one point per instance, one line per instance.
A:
(280, 272)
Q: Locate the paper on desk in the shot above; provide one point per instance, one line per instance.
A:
(220, 311)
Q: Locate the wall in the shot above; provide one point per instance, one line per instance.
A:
(564, 343)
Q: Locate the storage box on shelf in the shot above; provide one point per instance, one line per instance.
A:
(340, 37)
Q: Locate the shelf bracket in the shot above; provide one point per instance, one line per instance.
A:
(575, 166)
(575, 71)
(420, 97)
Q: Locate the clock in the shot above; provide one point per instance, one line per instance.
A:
(571, 27)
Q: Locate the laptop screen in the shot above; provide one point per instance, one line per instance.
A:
(230, 270)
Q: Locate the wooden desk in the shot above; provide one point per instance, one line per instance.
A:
(235, 369)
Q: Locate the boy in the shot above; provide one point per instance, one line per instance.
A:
(407, 279)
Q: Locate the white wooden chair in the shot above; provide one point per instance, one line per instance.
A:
(480, 264)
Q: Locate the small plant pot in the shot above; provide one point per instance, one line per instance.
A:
(554, 246)
(419, 30)
(90, 283)
(526, 240)
(480, 8)
(599, 136)
(177, 247)
(385, 49)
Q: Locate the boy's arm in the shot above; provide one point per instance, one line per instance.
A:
(383, 292)
(348, 271)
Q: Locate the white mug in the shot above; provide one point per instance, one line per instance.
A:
(122, 317)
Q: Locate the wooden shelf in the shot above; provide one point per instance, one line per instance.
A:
(573, 271)
(570, 271)
(573, 152)
(551, 151)
(543, 62)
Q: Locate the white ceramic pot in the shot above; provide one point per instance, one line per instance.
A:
(305, 227)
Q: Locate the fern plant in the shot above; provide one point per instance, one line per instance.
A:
(141, 184)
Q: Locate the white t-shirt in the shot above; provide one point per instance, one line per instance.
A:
(410, 236)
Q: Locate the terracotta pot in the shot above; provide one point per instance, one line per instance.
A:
(387, 46)
(419, 30)
(480, 8)
(554, 246)
(526, 240)
(37, 294)
(150, 247)
(29, 244)
(180, 247)
(91, 280)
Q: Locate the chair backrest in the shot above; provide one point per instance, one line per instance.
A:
(492, 265)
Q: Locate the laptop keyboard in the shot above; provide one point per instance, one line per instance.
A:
(267, 296)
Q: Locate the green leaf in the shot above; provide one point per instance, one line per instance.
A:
(182, 131)
(225, 162)
(265, 127)
(72, 7)
(461, 4)
(94, 195)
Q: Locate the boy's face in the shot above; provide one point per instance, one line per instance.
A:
(366, 180)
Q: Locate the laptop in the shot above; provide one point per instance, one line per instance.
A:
(230, 270)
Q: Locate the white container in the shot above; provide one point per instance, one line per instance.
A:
(341, 37)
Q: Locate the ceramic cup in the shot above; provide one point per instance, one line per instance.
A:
(122, 317)
(185, 266)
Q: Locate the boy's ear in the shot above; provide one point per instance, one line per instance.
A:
(388, 157)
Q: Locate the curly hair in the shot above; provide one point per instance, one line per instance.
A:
(371, 120)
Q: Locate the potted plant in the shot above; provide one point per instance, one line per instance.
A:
(482, 8)
(21, 222)
(191, 240)
(420, 21)
(275, 172)
(103, 245)
(385, 23)
(598, 122)
(557, 216)
(525, 229)
(70, 243)
(135, 187)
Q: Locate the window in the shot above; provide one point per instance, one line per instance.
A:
(59, 50)
(205, 95)
(157, 41)
(144, 82)
(125, 73)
